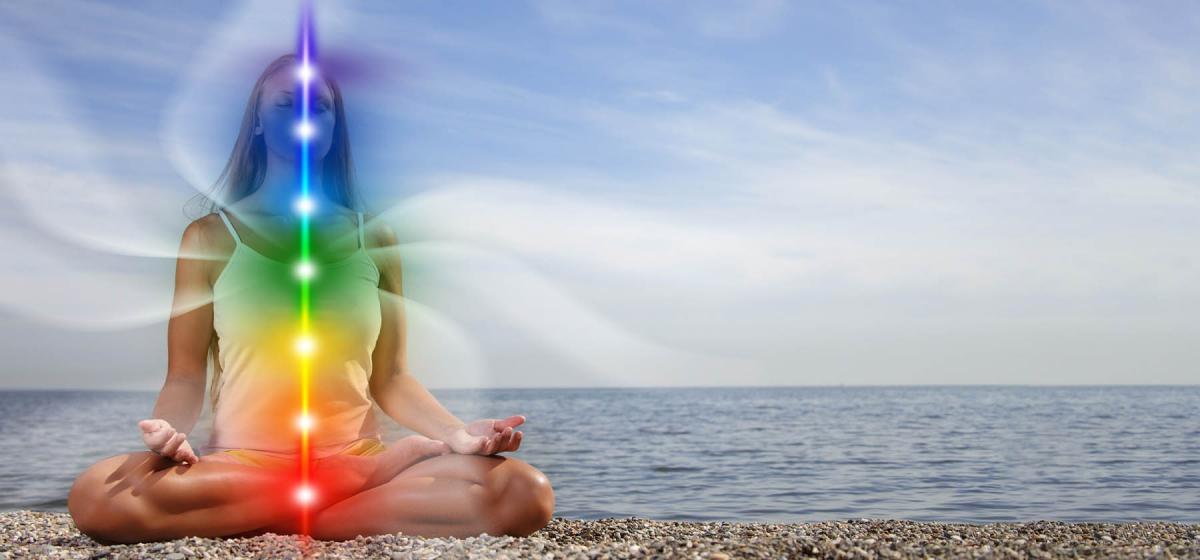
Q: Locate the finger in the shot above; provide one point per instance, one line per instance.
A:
(511, 444)
(152, 425)
(497, 443)
(505, 440)
(511, 421)
(517, 441)
(157, 439)
(172, 445)
(188, 454)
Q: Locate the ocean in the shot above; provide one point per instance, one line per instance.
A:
(970, 453)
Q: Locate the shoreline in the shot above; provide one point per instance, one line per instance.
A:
(32, 534)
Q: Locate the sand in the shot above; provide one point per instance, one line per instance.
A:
(27, 534)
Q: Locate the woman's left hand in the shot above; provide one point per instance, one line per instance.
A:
(487, 436)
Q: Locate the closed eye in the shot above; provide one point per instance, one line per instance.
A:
(321, 107)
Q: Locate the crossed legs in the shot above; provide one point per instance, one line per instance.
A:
(139, 497)
(448, 496)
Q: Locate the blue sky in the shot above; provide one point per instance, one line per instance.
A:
(648, 193)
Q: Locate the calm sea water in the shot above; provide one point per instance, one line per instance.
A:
(782, 454)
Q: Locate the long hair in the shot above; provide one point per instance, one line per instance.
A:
(247, 168)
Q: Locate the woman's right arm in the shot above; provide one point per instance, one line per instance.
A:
(189, 332)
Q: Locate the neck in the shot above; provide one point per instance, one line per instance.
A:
(281, 187)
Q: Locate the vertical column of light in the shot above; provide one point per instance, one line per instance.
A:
(304, 205)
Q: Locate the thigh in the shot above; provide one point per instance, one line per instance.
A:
(448, 495)
(137, 472)
(133, 472)
(473, 468)
(131, 495)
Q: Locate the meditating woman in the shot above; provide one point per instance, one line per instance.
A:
(236, 300)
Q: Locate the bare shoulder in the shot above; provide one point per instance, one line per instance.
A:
(378, 233)
(381, 243)
(207, 234)
(197, 236)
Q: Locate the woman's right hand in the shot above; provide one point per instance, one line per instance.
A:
(161, 438)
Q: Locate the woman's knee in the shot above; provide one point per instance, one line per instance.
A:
(526, 501)
(93, 505)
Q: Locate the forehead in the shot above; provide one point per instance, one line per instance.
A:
(286, 81)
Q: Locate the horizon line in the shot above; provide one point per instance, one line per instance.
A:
(627, 387)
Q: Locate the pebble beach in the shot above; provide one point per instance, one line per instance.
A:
(29, 534)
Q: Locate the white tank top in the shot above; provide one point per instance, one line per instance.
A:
(256, 315)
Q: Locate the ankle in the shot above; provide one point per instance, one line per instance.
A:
(342, 476)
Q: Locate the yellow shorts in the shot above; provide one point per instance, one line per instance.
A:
(253, 457)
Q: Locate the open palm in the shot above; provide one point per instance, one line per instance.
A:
(486, 436)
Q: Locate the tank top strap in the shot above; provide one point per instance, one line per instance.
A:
(362, 243)
(229, 226)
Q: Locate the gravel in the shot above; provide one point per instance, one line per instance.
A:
(29, 534)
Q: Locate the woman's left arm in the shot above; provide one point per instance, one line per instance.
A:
(400, 394)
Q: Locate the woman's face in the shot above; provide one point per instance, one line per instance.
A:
(279, 116)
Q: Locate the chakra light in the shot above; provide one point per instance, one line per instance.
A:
(305, 72)
(305, 130)
(305, 205)
(305, 494)
(305, 345)
(305, 270)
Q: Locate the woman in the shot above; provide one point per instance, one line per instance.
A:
(236, 299)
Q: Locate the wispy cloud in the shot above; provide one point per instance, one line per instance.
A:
(792, 187)
(107, 35)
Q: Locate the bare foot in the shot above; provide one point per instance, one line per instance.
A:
(403, 453)
(357, 473)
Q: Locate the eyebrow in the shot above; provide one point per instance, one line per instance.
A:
(290, 94)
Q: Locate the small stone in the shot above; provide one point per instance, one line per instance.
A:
(26, 534)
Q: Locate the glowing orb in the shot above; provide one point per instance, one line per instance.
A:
(305, 72)
(304, 421)
(305, 495)
(306, 270)
(305, 130)
(305, 205)
(305, 345)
